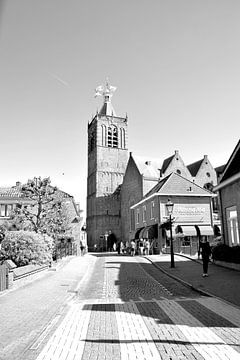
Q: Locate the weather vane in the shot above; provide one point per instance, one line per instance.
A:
(106, 92)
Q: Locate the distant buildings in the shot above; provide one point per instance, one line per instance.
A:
(118, 181)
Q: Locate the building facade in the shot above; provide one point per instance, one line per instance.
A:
(107, 161)
(192, 215)
(117, 180)
(229, 198)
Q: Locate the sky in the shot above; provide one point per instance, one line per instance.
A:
(175, 64)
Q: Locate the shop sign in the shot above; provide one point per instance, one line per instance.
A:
(193, 213)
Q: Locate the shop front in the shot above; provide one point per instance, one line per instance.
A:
(192, 221)
(191, 218)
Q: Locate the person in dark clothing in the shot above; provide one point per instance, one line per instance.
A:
(206, 252)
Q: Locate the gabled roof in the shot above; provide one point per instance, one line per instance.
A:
(175, 184)
(194, 167)
(166, 163)
(158, 186)
(148, 167)
(233, 165)
(219, 170)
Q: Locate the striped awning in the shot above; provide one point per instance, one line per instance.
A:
(206, 230)
(187, 230)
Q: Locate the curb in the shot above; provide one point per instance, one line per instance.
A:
(185, 283)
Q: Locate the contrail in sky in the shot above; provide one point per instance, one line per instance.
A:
(54, 76)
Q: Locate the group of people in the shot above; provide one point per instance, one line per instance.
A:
(134, 247)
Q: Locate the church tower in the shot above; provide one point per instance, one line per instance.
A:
(107, 160)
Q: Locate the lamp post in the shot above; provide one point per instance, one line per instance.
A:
(169, 206)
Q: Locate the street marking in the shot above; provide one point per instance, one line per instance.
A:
(204, 340)
(231, 313)
(135, 339)
(68, 340)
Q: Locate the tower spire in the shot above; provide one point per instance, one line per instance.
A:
(106, 92)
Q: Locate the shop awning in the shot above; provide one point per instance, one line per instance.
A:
(150, 232)
(141, 233)
(187, 230)
(137, 233)
(206, 230)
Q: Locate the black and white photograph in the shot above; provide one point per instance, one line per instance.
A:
(120, 180)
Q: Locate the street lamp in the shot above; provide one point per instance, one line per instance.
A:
(169, 206)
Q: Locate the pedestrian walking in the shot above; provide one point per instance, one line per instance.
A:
(133, 246)
(122, 249)
(206, 252)
(146, 247)
(141, 247)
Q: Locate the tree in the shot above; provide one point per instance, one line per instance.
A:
(25, 247)
(41, 209)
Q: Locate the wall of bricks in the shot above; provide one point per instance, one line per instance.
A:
(106, 168)
(230, 196)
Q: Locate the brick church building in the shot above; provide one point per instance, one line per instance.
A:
(117, 180)
(107, 161)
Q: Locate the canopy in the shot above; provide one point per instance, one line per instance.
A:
(206, 230)
(187, 230)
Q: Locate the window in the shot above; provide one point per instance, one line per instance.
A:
(138, 216)
(132, 224)
(104, 129)
(122, 138)
(179, 171)
(5, 210)
(112, 140)
(232, 225)
(208, 174)
(152, 210)
(144, 213)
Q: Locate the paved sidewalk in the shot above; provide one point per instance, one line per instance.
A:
(222, 282)
(107, 327)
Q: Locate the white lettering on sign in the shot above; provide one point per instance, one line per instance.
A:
(189, 210)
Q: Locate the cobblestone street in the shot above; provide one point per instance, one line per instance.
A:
(125, 308)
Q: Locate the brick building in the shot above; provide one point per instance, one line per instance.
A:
(107, 160)
(117, 180)
(192, 215)
(229, 198)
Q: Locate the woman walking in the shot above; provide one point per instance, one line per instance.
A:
(206, 252)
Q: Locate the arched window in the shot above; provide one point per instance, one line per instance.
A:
(122, 138)
(112, 139)
(104, 129)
